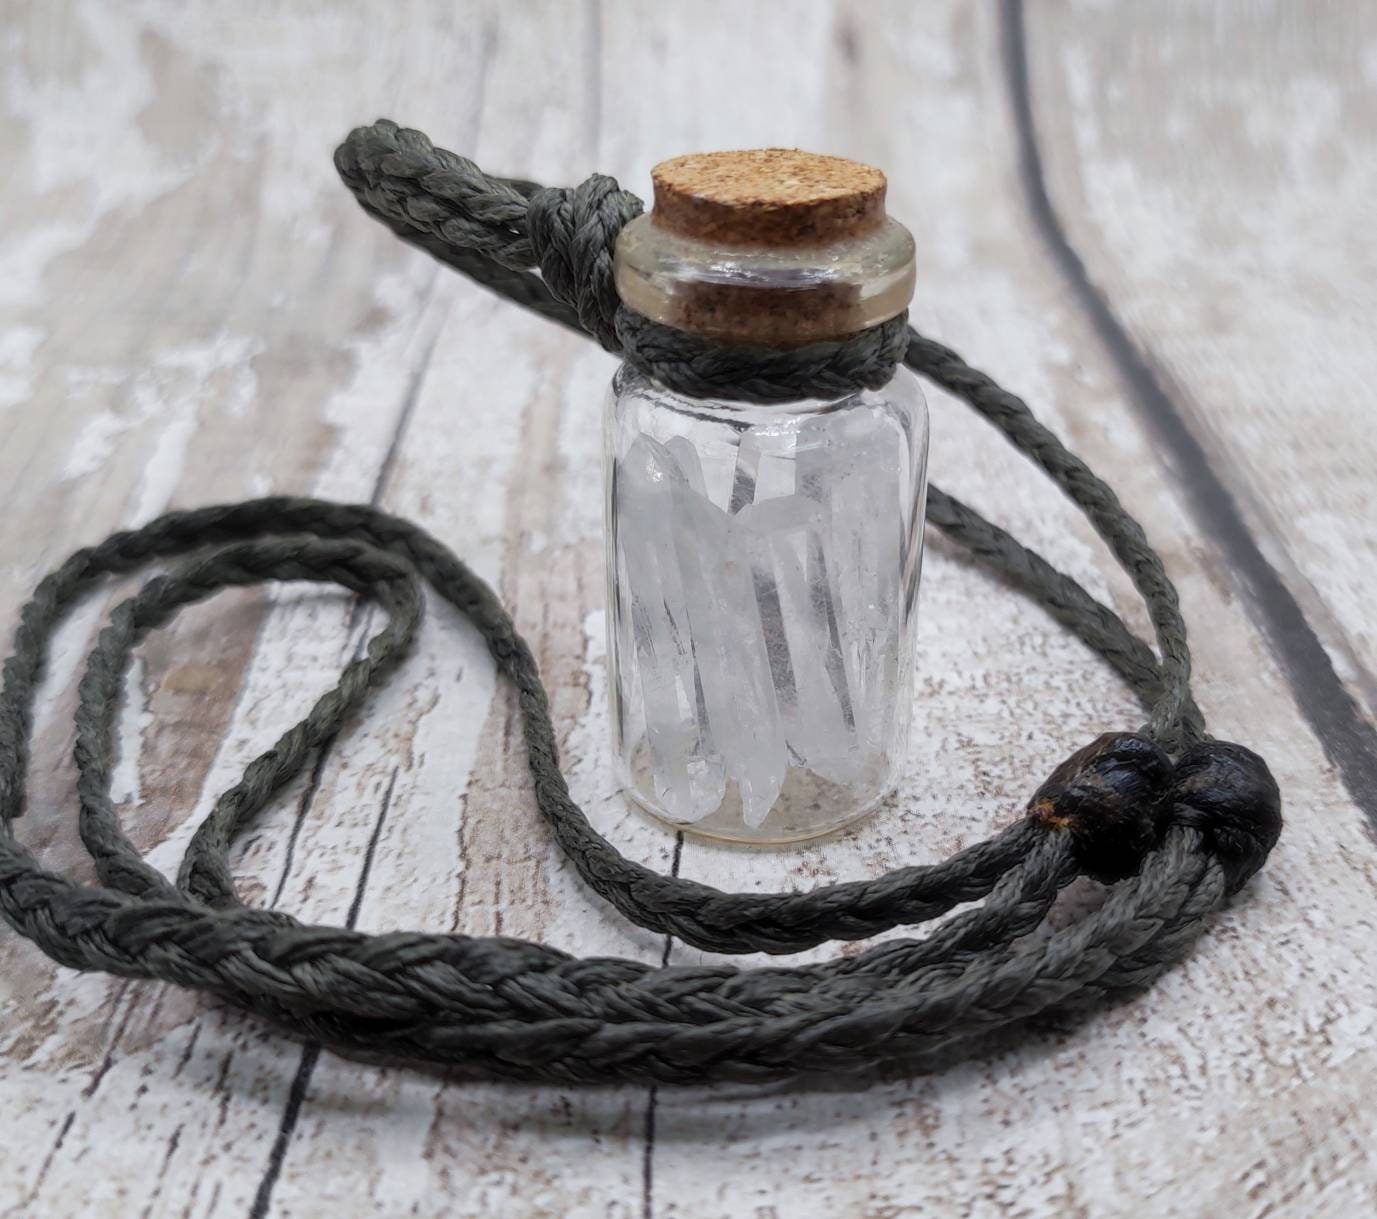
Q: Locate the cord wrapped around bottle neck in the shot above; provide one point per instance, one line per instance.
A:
(500, 231)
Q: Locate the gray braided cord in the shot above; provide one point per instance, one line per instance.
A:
(507, 1008)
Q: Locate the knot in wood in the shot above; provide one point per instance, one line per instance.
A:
(1106, 796)
(1227, 793)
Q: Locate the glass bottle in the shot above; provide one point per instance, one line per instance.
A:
(763, 560)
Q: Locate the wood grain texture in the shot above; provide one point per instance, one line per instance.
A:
(194, 310)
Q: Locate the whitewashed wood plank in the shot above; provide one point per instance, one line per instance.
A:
(1232, 231)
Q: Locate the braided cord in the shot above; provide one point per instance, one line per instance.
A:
(1174, 838)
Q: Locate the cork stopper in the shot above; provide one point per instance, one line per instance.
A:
(771, 247)
(767, 196)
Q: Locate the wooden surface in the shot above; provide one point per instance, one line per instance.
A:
(1156, 221)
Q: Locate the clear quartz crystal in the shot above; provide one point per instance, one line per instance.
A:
(763, 564)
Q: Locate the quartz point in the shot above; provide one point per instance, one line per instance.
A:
(730, 648)
(778, 533)
(687, 771)
(851, 467)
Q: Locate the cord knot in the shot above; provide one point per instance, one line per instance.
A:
(1227, 793)
(573, 232)
(1106, 796)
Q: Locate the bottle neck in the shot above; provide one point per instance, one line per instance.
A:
(763, 295)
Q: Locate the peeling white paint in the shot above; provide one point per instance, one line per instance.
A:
(17, 347)
(134, 719)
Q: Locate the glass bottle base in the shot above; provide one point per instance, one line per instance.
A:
(809, 806)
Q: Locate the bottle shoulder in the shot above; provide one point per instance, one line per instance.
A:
(633, 388)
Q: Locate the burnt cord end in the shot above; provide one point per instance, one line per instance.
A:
(1120, 794)
(1106, 797)
(1227, 793)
